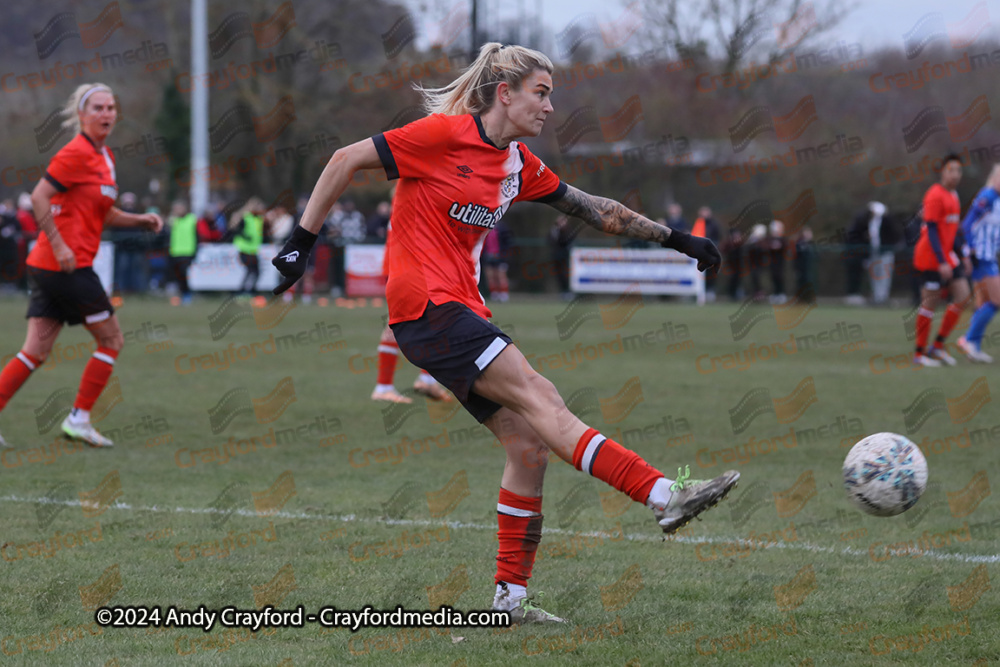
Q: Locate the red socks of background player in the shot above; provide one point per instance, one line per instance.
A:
(519, 532)
(14, 374)
(610, 462)
(388, 354)
(95, 376)
(951, 317)
(924, 320)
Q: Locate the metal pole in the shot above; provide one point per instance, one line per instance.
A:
(474, 42)
(199, 106)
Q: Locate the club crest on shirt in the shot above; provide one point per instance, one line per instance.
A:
(508, 188)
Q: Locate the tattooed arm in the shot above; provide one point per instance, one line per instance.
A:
(612, 217)
(609, 216)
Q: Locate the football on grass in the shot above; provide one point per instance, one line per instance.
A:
(885, 474)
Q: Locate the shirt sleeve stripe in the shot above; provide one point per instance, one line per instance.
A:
(56, 184)
(385, 155)
(555, 195)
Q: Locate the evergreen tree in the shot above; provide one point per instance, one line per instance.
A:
(173, 123)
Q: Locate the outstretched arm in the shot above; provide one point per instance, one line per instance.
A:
(119, 218)
(334, 180)
(291, 262)
(612, 217)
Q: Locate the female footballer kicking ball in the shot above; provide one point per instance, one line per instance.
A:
(459, 169)
(73, 202)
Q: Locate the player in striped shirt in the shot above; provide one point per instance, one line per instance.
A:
(459, 170)
(982, 232)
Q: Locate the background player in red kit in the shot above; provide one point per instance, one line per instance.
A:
(936, 257)
(460, 168)
(388, 355)
(73, 202)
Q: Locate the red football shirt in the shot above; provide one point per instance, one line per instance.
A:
(85, 179)
(940, 206)
(455, 184)
(385, 250)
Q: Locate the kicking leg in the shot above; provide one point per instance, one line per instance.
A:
(510, 381)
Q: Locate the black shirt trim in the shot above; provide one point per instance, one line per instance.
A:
(56, 184)
(555, 195)
(385, 155)
(482, 133)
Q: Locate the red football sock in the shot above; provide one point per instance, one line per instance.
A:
(14, 374)
(924, 320)
(610, 462)
(95, 376)
(388, 354)
(951, 317)
(520, 531)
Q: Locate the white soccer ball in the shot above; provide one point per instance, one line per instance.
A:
(885, 474)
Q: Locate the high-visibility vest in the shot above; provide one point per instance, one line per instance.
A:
(184, 236)
(253, 234)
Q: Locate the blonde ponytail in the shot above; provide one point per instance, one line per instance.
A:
(475, 90)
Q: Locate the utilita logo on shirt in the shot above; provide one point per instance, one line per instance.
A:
(109, 191)
(474, 214)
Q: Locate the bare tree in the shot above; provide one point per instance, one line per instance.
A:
(740, 30)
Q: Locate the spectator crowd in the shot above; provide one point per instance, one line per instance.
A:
(758, 260)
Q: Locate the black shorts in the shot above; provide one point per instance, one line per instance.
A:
(454, 345)
(73, 298)
(494, 260)
(932, 279)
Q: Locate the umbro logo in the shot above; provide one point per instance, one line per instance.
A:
(292, 256)
(464, 171)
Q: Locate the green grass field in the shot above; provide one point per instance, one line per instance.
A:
(291, 492)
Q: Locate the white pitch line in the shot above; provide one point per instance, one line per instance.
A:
(352, 518)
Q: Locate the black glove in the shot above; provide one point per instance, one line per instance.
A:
(697, 248)
(291, 262)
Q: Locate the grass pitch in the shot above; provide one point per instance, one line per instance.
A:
(253, 469)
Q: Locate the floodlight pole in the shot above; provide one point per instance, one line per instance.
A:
(474, 26)
(199, 106)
